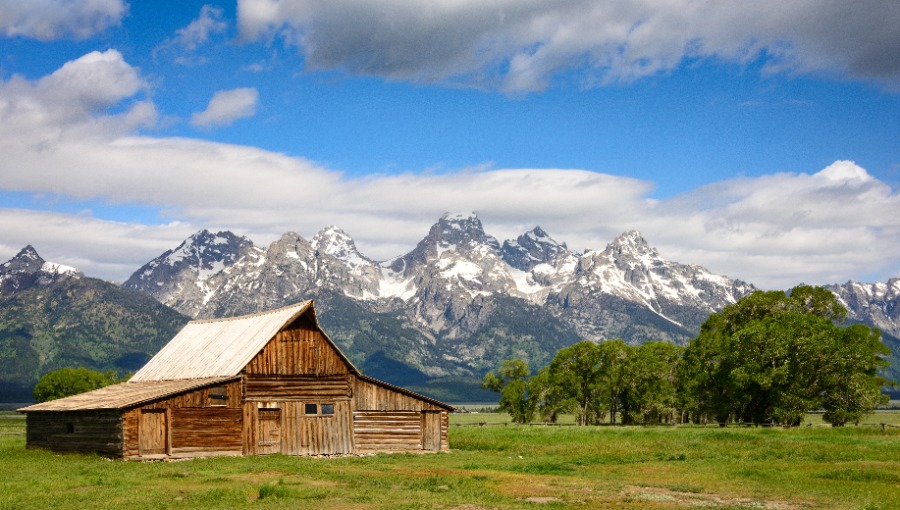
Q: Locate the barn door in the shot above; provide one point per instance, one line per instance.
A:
(431, 430)
(152, 432)
(269, 431)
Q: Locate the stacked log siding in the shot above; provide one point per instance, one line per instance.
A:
(254, 385)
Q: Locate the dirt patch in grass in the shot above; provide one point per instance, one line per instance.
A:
(536, 499)
(701, 500)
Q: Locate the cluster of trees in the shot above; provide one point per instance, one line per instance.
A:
(770, 358)
(71, 381)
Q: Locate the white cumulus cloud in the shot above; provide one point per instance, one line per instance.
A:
(55, 19)
(227, 106)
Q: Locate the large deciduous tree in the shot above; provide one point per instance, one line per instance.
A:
(772, 357)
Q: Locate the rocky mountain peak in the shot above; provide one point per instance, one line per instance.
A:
(530, 249)
(460, 231)
(180, 275)
(26, 261)
(289, 242)
(633, 243)
(338, 244)
(28, 269)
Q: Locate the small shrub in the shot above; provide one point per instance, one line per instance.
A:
(273, 490)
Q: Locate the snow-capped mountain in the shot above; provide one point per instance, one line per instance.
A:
(629, 291)
(180, 277)
(876, 304)
(27, 269)
(459, 289)
(530, 249)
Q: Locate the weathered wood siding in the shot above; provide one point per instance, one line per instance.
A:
(297, 433)
(194, 424)
(305, 388)
(445, 431)
(76, 431)
(369, 396)
(206, 431)
(201, 398)
(386, 419)
(299, 349)
(387, 430)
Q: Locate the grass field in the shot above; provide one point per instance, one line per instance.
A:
(495, 465)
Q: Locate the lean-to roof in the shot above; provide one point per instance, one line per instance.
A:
(127, 394)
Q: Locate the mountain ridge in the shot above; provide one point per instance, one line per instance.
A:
(451, 287)
(437, 317)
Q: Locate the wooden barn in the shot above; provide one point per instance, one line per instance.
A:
(271, 382)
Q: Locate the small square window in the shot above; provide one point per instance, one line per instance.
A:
(218, 396)
(327, 408)
(70, 428)
(311, 409)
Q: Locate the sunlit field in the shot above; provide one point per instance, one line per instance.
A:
(495, 464)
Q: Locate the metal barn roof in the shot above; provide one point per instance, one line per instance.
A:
(217, 347)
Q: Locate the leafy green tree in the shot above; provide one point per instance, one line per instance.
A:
(573, 375)
(649, 395)
(702, 378)
(71, 381)
(613, 375)
(852, 382)
(772, 357)
(516, 396)
(551, 400)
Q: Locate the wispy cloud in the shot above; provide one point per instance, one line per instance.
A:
(227, 106)
(197, 33)
(524, 46)
(56, 19)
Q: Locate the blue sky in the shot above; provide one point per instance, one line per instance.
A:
(760, 139)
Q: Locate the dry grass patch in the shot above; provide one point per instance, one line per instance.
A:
(702, 500)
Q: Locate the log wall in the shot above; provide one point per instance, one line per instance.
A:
(387, 430)
(305, 388)
(76, 431)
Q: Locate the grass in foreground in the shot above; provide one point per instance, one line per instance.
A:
(493, 467)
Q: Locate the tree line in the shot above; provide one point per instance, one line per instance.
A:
(768, 359)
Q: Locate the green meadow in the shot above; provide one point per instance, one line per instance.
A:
(494, 464)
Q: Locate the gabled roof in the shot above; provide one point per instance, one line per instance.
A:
(222, 347)
(127, 394)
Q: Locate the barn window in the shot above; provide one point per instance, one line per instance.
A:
(70, 428)
(217, 395)
(318, 409)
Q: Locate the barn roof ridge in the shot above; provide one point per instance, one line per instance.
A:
(302, 304)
